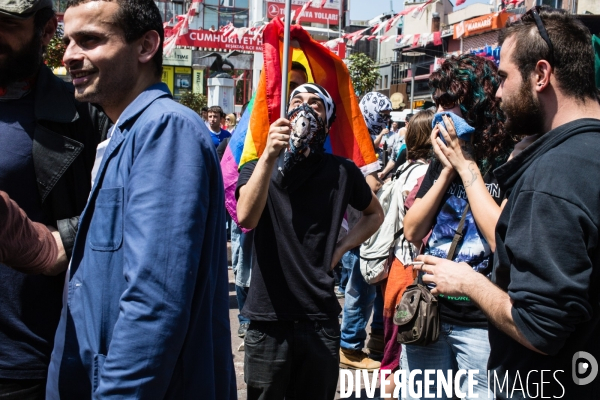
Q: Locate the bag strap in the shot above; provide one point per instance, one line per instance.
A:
(406, 168)
(459, 234)
(412, 167)
(459, 230)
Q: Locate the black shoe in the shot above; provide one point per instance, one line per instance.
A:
(243, 328)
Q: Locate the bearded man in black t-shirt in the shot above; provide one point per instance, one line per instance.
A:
(292, 344)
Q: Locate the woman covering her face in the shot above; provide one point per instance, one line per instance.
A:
(460, 184)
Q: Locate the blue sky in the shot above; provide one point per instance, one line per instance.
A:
(367, 9)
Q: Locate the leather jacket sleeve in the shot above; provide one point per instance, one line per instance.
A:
(68, 230)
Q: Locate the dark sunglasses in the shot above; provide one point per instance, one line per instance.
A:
(385, 117)
(445, 100)
(534, 13)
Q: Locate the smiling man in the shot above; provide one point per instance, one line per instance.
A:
(147, 313)
(47, 147)
(293, 341)
(544, 300)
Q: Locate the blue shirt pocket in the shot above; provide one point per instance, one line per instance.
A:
(106, 228)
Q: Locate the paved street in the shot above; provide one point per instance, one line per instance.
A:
(238, 356)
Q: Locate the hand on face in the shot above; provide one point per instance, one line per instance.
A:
(279, 138)
(455, 153)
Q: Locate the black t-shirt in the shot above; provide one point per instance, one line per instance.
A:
(296, 236)
(472, 249)
(548, 261)
(29, 304)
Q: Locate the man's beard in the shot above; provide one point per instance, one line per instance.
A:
(22, 63)
(524, 113)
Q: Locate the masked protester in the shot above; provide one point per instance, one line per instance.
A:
(292, 344)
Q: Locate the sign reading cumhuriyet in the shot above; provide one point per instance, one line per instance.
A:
(215, 40)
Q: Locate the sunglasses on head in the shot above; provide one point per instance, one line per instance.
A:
(534, 13)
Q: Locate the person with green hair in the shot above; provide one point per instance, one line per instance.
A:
(460, 188)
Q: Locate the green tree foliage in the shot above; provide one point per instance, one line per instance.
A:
(195, 101)
(363, 72)
(55, 50)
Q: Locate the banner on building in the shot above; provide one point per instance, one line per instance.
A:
(481, 24)
(215, 40)
(319, 15)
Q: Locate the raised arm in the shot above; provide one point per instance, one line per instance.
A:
(253, 195)
(420, 217)
(484, 208)
(379, 137)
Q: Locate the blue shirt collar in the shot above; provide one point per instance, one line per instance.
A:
(144, 99)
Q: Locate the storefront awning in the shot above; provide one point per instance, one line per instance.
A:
(481, 24)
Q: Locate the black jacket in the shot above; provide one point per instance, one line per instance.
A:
(64, 148)
(63, 152)
(548, 260)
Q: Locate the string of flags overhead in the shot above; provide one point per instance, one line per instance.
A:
(179, 26)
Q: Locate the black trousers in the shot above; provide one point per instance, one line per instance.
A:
(22, 389)
(292, 360)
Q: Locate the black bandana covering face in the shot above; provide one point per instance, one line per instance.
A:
(309, 131)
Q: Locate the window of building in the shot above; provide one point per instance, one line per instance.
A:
(217, 13)
(169, 10)
(551, 3)
(234, 11)
(385, 82)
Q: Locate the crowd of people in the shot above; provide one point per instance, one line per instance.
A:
(113, 275)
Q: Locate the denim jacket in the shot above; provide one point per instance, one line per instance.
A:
(148, 303)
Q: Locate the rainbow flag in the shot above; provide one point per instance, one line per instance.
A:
(348, 136)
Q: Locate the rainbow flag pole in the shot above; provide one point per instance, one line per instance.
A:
(348, 136)
(284, 72)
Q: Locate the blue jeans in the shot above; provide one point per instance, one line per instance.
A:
(241, 293)
(458, 348)
(241, 261)
(241, 254)
(377, 322)
(343, 274)
(295, 360)
(358, 303)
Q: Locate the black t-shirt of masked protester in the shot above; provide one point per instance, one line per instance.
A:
(309, 131)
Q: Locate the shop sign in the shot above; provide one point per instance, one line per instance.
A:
(214, 40)
(480, 24)
(418, 103)
(178, 57)
(198, 81)
(311, 14)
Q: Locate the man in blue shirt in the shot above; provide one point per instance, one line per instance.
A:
(148, 306)
(215, 113)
